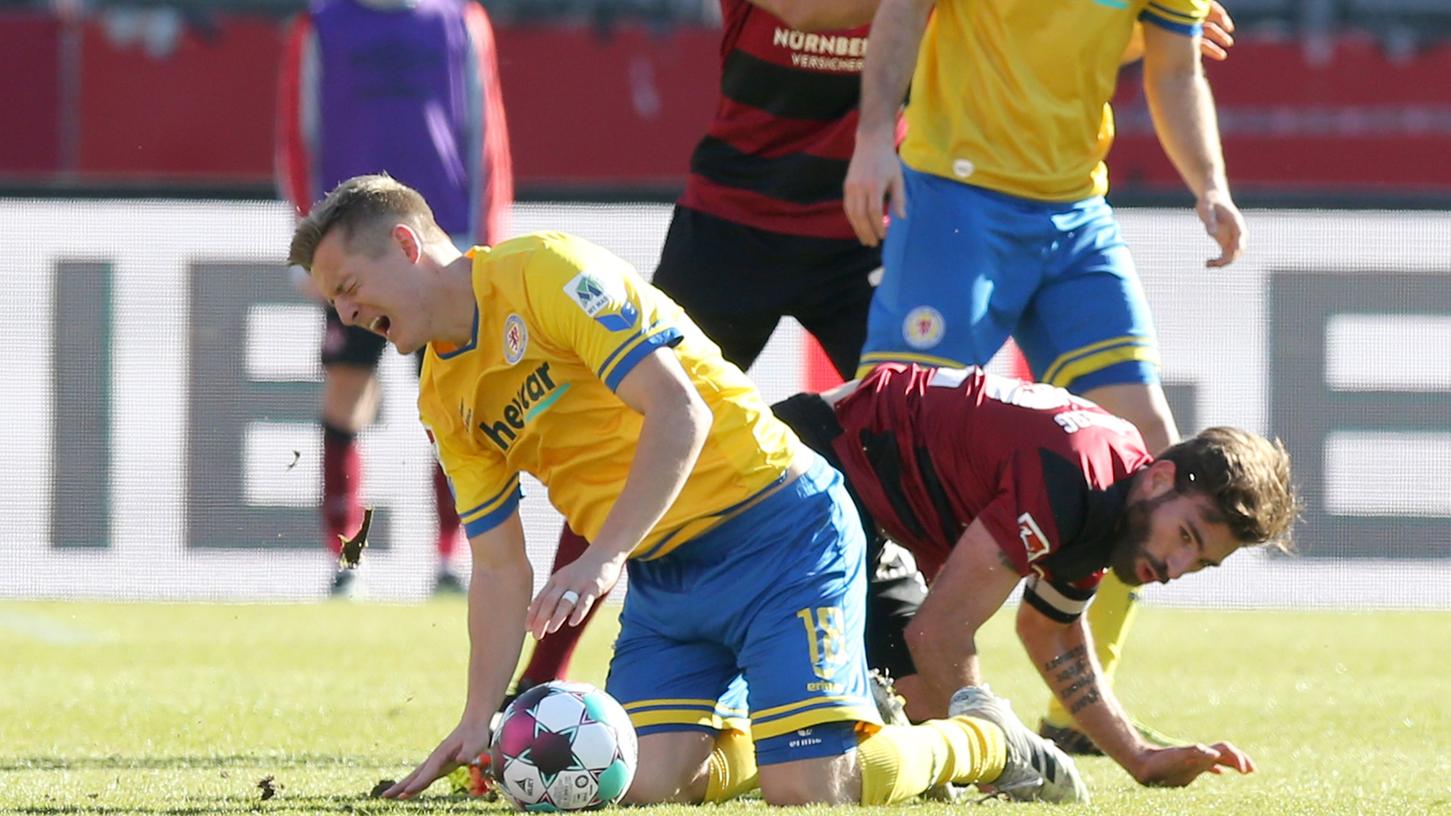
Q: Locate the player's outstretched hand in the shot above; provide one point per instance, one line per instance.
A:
(1225, 224)
(464, 744)
(569, 593)
(873, 176)
(1178, 766)
(1218, 34)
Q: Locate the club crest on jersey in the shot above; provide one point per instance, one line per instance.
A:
(516, 339)
(923, 327)
(1035, 544)
(603, 300)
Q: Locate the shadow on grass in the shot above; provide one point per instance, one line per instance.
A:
(200, 761)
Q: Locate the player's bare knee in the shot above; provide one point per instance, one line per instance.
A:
(656, 788)
(788, 795)
(824, 780)
(673, 768)
(653, 787)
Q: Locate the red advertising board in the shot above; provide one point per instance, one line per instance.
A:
(1296, 119)
(147, 98)
(30, 139)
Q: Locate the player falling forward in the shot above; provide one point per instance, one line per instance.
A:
(410, 88)
(548, 355)
(989, 480)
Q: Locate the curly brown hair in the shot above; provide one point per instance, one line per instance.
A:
(1246, 476)
(357, 204)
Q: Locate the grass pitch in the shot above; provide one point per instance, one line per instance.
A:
(174, 710)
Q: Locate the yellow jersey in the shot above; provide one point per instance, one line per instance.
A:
(559, 322)
(1013, 95)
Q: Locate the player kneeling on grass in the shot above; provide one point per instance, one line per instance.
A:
(548, 355)
(987, 480)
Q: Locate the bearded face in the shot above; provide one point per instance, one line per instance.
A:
(1169, 536)
(1130, 558)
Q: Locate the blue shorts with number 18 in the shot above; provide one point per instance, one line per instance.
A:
(758, 620)
(969, 266)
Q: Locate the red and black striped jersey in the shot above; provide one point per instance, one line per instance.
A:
(928, 451)
(776, 153)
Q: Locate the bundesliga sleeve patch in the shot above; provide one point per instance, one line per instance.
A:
(603, 298)
(1035, 544)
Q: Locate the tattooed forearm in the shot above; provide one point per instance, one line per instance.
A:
(1073, 680)
(1076, 653)
(1085, 701)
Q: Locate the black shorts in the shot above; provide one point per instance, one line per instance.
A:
(353, 346)
(737, 282)
(895, 587)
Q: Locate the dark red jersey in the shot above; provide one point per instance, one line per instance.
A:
(777, 151)
(927, 451)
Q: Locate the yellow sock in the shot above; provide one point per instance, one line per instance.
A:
(899, 762)
(1110, 615)
(732, 767)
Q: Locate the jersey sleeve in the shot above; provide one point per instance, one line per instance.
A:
(1024, 534)
(1036, 509)
(485, 490)
(1182, 16)
(593, 303)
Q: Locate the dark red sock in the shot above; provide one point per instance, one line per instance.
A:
(448, 522)
(552, 653)
(342, 476)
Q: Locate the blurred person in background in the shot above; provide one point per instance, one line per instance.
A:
(410, 88)
(998, 220)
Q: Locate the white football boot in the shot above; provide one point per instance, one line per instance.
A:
(1036, 770)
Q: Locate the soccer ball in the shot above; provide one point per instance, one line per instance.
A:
(564, 746)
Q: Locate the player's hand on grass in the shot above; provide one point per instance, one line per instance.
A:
(569, 593)
(873, 176)
(464, 744)
(1225, 224)
(1218, 34)
(1178, 766)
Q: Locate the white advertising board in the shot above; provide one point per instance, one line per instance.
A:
(162, 388)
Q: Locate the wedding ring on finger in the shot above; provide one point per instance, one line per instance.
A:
(571, 596)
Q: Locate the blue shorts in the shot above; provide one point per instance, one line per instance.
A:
(968, 267)
(758, 622)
